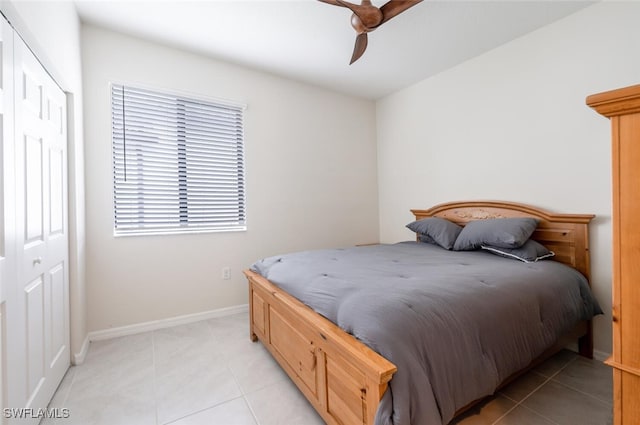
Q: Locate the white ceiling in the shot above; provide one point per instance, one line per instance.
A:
(310, 41)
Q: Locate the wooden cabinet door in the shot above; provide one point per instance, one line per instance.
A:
(626, 327)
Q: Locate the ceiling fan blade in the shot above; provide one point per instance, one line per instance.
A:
(394, 8)
(360, 47)
(354, 7)
(333, 2)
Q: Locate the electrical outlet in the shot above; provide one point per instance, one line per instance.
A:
(226, 273)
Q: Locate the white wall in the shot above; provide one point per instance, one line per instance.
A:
(512, 125)
(52, 30)
(311, 182)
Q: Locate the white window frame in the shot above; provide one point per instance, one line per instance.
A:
(204, 191)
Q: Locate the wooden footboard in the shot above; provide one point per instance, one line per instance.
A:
(341, 377)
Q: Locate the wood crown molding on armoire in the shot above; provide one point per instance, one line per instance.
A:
(622, 106)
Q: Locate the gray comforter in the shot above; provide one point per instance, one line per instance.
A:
(455, 324)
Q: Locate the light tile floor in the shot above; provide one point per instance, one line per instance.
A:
(210, 373)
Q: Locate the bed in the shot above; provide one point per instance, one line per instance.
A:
(347, 381)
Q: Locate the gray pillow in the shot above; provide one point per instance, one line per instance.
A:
(436, 230)
(497, 232)
(530, 252)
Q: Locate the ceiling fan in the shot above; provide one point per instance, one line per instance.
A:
(367, 17)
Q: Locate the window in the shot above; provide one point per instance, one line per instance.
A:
(178, 163)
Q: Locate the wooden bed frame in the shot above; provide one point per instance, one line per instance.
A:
(342, 378)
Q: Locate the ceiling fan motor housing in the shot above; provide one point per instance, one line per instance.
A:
(360, 27)
(366, 17)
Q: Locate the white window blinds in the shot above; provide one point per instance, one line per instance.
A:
(178, 163)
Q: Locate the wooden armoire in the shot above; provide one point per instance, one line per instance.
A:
(622, 106)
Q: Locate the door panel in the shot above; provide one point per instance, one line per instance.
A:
(56, 192)
(31, 91)
(55, 115)
(33, 166)
(34, 300)
(57, 317)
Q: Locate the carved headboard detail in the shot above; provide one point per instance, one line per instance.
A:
(478, 214)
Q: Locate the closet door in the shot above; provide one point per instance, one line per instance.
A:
(7, 182)
(38, 316)
(7, 187)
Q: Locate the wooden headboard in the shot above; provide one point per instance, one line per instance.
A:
(565, 234)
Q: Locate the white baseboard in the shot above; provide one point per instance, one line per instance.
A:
(597, 354)
(165, 323)
(601, 355)
(78, 358)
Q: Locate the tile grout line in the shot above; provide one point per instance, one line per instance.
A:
(572, 388)
(244, 393)
(209, 328)
(79, 371)
(253, 413)
(213, 406)
(540, 414)
(583, 393)
(154, 378)
(226, 361)
(75, 374)
(505, 414)
(242, 390)
(235, 378)
(518, 403)
(73, 380)
(577, 390)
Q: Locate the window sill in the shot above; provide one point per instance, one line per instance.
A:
(166, 232)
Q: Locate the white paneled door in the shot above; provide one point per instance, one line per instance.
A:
(37, 340)
(7, 187)
(7, 183)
